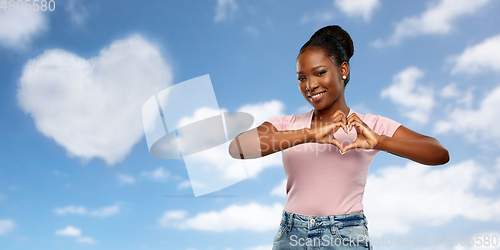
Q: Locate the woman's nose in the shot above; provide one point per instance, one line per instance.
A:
(311, 84)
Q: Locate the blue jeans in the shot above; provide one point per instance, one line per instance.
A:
(305, 232)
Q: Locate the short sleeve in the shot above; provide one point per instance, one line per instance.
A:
(384, 126)
(279, 122)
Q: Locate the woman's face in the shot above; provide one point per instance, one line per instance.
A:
(318, 73)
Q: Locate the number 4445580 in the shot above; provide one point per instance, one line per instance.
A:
(27, 5)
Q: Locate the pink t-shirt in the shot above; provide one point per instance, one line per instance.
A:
(322, 181)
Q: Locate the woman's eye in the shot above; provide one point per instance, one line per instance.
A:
(321, 72)
(301, 78)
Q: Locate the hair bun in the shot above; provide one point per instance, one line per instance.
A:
(334, 33)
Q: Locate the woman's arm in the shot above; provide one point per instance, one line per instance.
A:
(266, 139)
(414, 146)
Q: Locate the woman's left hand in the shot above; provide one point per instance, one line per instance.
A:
(366, 138)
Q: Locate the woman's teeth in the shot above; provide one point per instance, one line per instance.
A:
(317, 95)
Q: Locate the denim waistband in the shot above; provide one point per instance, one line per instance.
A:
(310, 221)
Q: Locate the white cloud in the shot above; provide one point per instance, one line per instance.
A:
(77, 11)
(250, 217)
(414, 99)
(355, 8)
(172, 215)
(70, 210)
(125, 179)
(184, 184)
(69, 231)
(105, 211)
(303, 109)
(437, 19)
(464, 121)
(6, 226)
(86, 240)
(159, 174)
(399, 198)
(318, 17)
(280, 189)
(225, 9)
(80, 210)
(479, 58)
(450, 91)
(263, 111)
(75, 232)
(199, 114)
(459, 98)
(188, 184)
(93, 107)
(19, 28)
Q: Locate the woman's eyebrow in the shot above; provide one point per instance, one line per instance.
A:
(313, 69)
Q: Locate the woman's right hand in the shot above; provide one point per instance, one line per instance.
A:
(323, 131)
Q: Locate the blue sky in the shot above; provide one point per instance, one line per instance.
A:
(75, 171)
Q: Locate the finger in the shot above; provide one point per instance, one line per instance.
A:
(338, 125)
(337, 117)
(365, 130)
(336, 143)
(340, 118)
(338, 112)
(359, 127)
(331, 128)
(352, 121)
(350, 146)
(324, 130)
(326, 139)
(355, 124)
(350, 124)
(352, 117)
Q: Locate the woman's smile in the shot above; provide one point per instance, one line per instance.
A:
(316, 97)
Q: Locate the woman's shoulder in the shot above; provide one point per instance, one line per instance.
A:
(381, 125)
(292, 121)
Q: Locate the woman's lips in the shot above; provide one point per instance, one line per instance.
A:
(316, 98)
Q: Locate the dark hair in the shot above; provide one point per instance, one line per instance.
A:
(336, 42)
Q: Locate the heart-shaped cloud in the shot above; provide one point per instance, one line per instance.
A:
(92, 107)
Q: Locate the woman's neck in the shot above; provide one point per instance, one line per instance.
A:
(327, 114)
